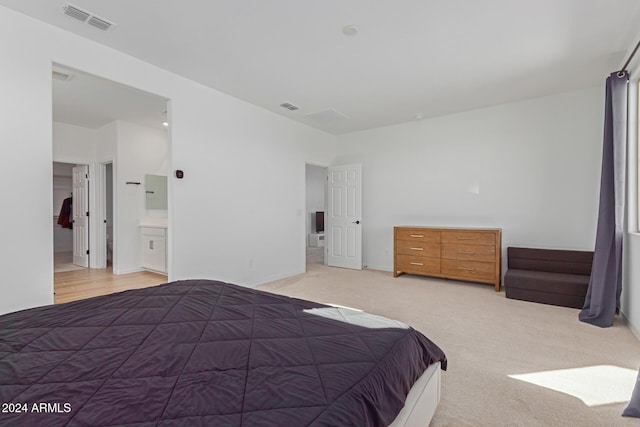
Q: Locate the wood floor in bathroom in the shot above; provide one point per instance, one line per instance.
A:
(91, 282)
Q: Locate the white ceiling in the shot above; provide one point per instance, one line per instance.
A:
(411, 57)
(92, 102)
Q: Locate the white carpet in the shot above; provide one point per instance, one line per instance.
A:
(488, 339)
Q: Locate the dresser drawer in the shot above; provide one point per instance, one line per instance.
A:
(417, 265)
(417, 235)
(420, 249)
(469, 237)
(469, 252)
(469, 269)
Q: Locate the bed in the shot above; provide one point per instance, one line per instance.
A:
(208, 353)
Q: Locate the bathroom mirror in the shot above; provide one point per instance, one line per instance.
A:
(156, 191)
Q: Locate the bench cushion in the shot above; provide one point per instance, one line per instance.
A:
(550, 260)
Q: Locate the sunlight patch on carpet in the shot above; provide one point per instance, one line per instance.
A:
(594, 385)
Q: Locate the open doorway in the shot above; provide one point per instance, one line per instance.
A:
(103, 248)
(121, 134)
(316, 190)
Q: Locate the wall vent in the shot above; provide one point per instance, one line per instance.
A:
(86, 17)
(289, 106)
(58, 75)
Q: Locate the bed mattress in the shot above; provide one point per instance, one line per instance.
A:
(202, 352)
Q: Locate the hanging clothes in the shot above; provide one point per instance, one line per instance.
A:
(64, 219)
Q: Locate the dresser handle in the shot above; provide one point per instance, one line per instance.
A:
(416, 263)
(416, 235)
(417, 249)
(466, 238)
(467, 252)
(466, 268)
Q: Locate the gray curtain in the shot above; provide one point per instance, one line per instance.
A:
(603, 295)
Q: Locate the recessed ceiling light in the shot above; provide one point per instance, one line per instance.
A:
(418, 116)
(350, 30)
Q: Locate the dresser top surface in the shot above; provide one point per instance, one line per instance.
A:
(424, 227)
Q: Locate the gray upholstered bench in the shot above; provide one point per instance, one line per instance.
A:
(548, 276)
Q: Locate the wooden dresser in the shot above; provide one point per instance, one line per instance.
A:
(471, 254)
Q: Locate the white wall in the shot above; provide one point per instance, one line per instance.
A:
(26, 142)
(106, 143)
(630, 298)
(106, 140)
(238, 214)
(530, 168)
(74, 144)
(140, 150)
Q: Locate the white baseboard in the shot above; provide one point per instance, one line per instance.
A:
(272, 279)
(379, 268)
(632, 328)
(127, 271)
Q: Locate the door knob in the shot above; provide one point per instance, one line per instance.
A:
(355, 222)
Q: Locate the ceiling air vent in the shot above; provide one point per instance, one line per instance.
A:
(99, 23)
(86, 17)
(76, 13)
(289, 106)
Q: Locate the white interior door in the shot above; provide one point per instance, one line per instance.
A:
(80, 216)
(344, 229)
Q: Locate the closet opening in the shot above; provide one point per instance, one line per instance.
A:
(70, 219)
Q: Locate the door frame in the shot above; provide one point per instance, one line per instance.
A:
(99, 246)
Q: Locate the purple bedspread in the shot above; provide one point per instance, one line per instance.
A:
(202, 353)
